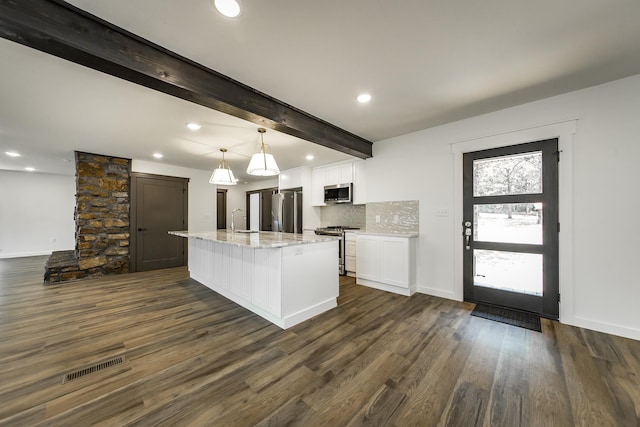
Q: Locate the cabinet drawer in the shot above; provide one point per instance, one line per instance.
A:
(350, 263)
(350, 248)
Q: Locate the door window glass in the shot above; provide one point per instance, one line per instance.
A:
(505, 175)
(508, 223)
(508, 271)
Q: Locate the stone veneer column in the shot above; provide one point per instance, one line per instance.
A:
(102, 214)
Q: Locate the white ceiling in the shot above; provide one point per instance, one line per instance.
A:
(425, 63)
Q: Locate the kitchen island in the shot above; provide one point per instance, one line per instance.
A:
(286, 278)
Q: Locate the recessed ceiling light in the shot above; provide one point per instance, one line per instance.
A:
(309, 157)
(12, 154)
(363, 98)
(194, 126)
(29, 169)
(158, 155)
(229, 8)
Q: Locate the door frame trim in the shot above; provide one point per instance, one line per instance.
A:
(133, 223)
(563, 130)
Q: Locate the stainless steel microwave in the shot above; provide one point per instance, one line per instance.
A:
(340, 193)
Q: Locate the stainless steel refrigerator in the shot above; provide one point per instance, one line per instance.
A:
(286, 210)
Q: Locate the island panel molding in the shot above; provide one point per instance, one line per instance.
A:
(285, 278)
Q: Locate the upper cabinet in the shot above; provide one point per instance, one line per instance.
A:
(359, 182)
(318, 181)
(341, 173)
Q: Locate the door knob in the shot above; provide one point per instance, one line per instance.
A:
(467, 235)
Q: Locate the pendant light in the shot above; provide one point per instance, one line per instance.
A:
(223, 175)
(262, 163)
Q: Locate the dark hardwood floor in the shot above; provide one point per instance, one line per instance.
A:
(194, 358)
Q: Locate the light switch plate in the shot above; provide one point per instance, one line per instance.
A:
(442, 212)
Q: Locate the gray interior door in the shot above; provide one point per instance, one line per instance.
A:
(266, 210)
(159, 205)
(221, 209)
(288, 211)
(510, 228)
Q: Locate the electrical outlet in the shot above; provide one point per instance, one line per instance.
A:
(442, 212)
(377, 218)
(396, 219)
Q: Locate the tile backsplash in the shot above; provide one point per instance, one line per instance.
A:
(393, 217)
(343, 214)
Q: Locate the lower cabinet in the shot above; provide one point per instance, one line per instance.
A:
(386, 262)
(350, 253)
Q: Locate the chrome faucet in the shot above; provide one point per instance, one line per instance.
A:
(232, 216)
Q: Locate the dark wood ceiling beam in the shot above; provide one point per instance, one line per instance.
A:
(60, 29)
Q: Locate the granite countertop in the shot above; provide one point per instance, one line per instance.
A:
(256, 240)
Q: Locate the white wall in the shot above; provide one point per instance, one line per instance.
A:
(237, 198)
(602, 282)
(36, 209)
(202, 195)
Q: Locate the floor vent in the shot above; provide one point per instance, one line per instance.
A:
(93, 368)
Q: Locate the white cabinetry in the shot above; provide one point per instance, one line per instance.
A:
(267, 289)
(350, 253)
(359, 183)
(386, 262)
(267, 281)
(339, 174)
(240, 278)
(318, 180)
(368, 259)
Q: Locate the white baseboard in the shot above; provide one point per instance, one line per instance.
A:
(437, 293)
(608, 328)
(308, 313)
(384, 287)
(23, 254)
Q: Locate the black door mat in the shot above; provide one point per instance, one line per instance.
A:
(510, 317)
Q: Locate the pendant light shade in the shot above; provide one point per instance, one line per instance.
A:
(223, 174)
(262, 163)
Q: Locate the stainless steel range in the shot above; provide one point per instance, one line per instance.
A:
(337, 230)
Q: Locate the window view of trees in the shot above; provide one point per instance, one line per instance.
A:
(508, 222)
(519, 174)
